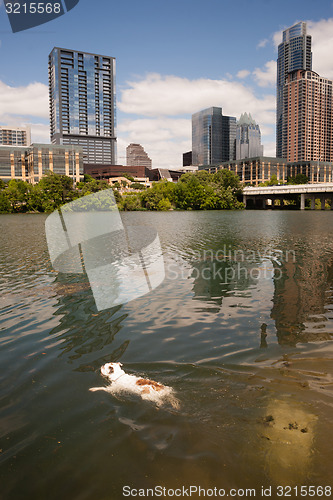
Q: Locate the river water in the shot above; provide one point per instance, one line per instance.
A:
(241, 328)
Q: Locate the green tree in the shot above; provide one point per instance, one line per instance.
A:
(131, 201)
(91, 185)
(138, 185)
(159, 191)
(17, 193)
(226, 178)
(5, 206)
(58, 190)
(128, 176)
(164, 204)
(298, 179)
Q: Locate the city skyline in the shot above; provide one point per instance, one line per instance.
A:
(160, 85)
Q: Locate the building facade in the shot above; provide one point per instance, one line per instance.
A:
(229, 128)
(308, 116)
(248, 138)
(109, 171)
(213, 137)
(187, 159)
(15, 136)
(82, 103)
(31, 163)
(294, 52)
(255, 171)
(137, 156)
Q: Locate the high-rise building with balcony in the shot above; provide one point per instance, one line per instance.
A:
(294, 52)
(82, 103)
(136, 156)
(15, 136)
(213, 137)
(308, 115)
(248, 138)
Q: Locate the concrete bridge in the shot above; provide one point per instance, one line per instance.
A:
(262, 195)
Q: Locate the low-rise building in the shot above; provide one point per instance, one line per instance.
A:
(31, 163)
(261, 169)
(15, 136)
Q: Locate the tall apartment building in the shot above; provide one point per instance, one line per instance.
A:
(136, 156)
(308, 114)
(293, 53)
(15, 136)
(248, 138)
(82, 103)
(213, 137)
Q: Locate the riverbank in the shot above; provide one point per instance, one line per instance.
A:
(197, 191)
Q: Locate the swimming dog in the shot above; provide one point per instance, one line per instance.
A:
(147, 389)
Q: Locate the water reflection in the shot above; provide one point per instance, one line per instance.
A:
(81, 327)
(213, 280)
(237, 347)
(302, 300)
(301, 292)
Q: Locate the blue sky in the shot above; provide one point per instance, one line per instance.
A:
(173, 58)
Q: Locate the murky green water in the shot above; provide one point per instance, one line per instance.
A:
(241, 328)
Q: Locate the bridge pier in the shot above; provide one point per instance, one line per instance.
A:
(302, 201)
(323, 203)
(313, 202)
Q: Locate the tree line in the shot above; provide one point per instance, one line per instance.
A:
(194, 191)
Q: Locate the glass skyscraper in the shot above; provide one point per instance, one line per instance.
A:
(82, 103)
(213, 137)
(293, 53)
(248, 138)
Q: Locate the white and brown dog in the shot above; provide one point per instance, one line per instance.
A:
(147, 389)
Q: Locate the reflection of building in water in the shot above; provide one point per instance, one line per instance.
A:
(82, 330)
(215, 279)
(300, 297)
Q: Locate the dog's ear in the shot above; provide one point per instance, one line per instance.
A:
(120, 364)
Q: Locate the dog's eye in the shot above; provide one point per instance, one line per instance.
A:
(111, 370)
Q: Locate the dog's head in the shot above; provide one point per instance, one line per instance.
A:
(112, 370)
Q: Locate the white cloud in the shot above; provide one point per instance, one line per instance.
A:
(21, 106)
(164, 139)
(322, 46)
(243, 73)
(158, 95)
(262, 43)
(31, 100)
(269, 148)
(161, 103)
(266, 77)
